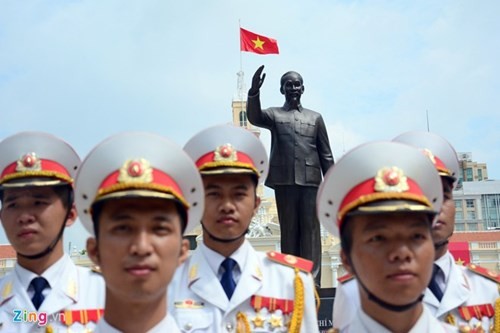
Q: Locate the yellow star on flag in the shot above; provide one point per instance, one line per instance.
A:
(460, 262)
(258, 44)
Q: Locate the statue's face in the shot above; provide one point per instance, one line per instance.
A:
(292, 86)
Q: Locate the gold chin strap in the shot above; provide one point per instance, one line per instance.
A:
(298, 308)
(496, 325)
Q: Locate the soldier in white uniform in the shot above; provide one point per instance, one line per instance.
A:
(227, 286)
(467, 294)
(137, 193)
(46, 291)
(381, 199)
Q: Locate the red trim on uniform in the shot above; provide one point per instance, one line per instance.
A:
(364, 193)
(46, 165)
(345, 278)
(441, 167)
(484, 272)
(290, 260)
(241, 158)
(159, 178)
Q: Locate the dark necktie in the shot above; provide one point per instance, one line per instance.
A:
(39, 284)
(433, 285)
(227, 280)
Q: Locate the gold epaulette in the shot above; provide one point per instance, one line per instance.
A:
(291, 261)
(344, 278)
(495, 277)
(298, 264)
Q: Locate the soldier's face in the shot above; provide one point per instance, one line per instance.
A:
(139, 247)
(32, 218)
(445, 224)
(230, 204)
(392, 255)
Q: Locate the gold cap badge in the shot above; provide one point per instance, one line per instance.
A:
(391, 180)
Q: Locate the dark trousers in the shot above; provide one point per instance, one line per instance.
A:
(299, 225)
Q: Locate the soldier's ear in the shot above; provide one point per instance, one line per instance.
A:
(93, 250)
(282, 89)
(71, 216)
(184, 252)
(302, 90)
(346, 262)
(257, 204)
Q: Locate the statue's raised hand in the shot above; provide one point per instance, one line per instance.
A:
(257, 81)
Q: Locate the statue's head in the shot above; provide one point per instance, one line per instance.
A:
(292, 85)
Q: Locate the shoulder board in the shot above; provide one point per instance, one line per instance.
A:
(495, 277)
(96, 269)
(6, 293)
(291, 261)
(344, 278)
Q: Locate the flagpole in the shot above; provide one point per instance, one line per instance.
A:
(241, 77)
(427, 116)
(241, 61)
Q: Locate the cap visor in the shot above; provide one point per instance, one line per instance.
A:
(222, 171)
(389, 206)
(29, 182)
(447, 176)
(137, 194)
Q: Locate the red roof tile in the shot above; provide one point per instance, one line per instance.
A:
(476, 236)
(7, 252)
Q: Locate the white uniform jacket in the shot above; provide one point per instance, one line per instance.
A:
(167, 325)
(72, 289)
(199, 304)
(345, 304)
(465, 289)
(425, 324)
(466, 293)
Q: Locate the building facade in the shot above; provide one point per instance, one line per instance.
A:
(477, 206)
(469, 170)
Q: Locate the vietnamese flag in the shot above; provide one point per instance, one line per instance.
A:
(259, 44)
(460, 252)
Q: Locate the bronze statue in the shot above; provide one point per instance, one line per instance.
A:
(300, 154)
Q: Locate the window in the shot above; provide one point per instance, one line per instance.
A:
(472, 226)
(459, 227)
(458, 204)
(479, 174)
(471, 215)
(468, 175)
(459, 215)
(243, 119)
(469, 203)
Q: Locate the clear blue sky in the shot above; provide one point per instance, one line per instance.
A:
(84, 70)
